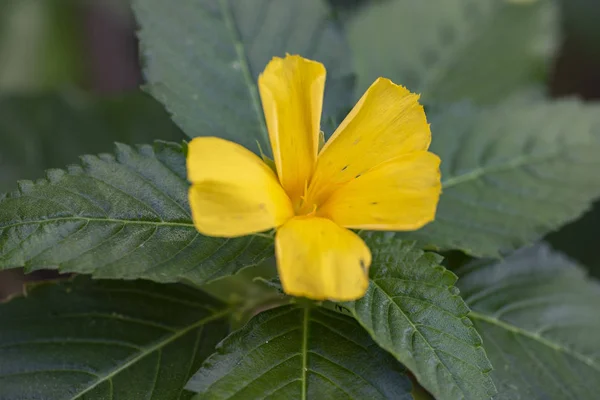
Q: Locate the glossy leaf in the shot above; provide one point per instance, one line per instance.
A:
(124, 216)
(86, 339)
(203, 57)
(413, 310)
(453, 49)
(538, 315)
(296, 352)
(512, 173)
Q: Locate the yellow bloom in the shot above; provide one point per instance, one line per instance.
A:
(373, 173)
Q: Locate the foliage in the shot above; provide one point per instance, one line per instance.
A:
(543, 340)
(450, 50)
(159, 311)
(202, 61)
(124, 216)
(512, 174)
(104, 339)
(413, 310)
(301, 352)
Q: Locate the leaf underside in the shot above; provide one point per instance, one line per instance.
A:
(512, 173)
(448, 50)
(538, 315)
(86, 339)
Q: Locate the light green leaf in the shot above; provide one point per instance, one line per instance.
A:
(124, 216)
(203, 57)
(51, 130)
(453, 49)
(40, 47)
(538, 315)
(296, 352)
(86, 339)
(413, 310)
(512, 173)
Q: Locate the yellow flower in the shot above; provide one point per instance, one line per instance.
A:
(374, 173)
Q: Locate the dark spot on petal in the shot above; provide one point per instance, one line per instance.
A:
(363, 266)
(357, 176)
(343, 169)
(374, 203)
(262, 206)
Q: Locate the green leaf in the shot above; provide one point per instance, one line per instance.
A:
(512, 173)
(203, 57)
(538, 315)
(51, 130)
(295, 352)
(124, 216)
(453, 49)
(413, 310)
(105, 339)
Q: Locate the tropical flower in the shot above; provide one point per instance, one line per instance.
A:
(374, 173)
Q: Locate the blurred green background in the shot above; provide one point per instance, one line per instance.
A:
(70, 78)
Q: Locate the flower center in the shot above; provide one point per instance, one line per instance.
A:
(305, 207)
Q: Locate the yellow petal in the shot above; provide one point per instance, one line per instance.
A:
(387, 122)
(233, 191)
(401, 194)
(320, 260)
(291, 90)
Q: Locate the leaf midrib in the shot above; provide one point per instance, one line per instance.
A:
(304, 349)
(590, 362)
(147, 351)
(240, 52)
(508, 165)
(105, 220)
(392, 350)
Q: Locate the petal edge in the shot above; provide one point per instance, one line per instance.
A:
(320, 260)
(291, 90)
(233, 192)
(399, 195)
(387, 122)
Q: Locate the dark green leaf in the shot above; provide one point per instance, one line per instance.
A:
(300, 353)
(203, 57)
(88, 339)
(512, 173)
(579, 239)
(453, 49)
(413, 310)
(124, 216)
(538, 315)
(38, 132)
